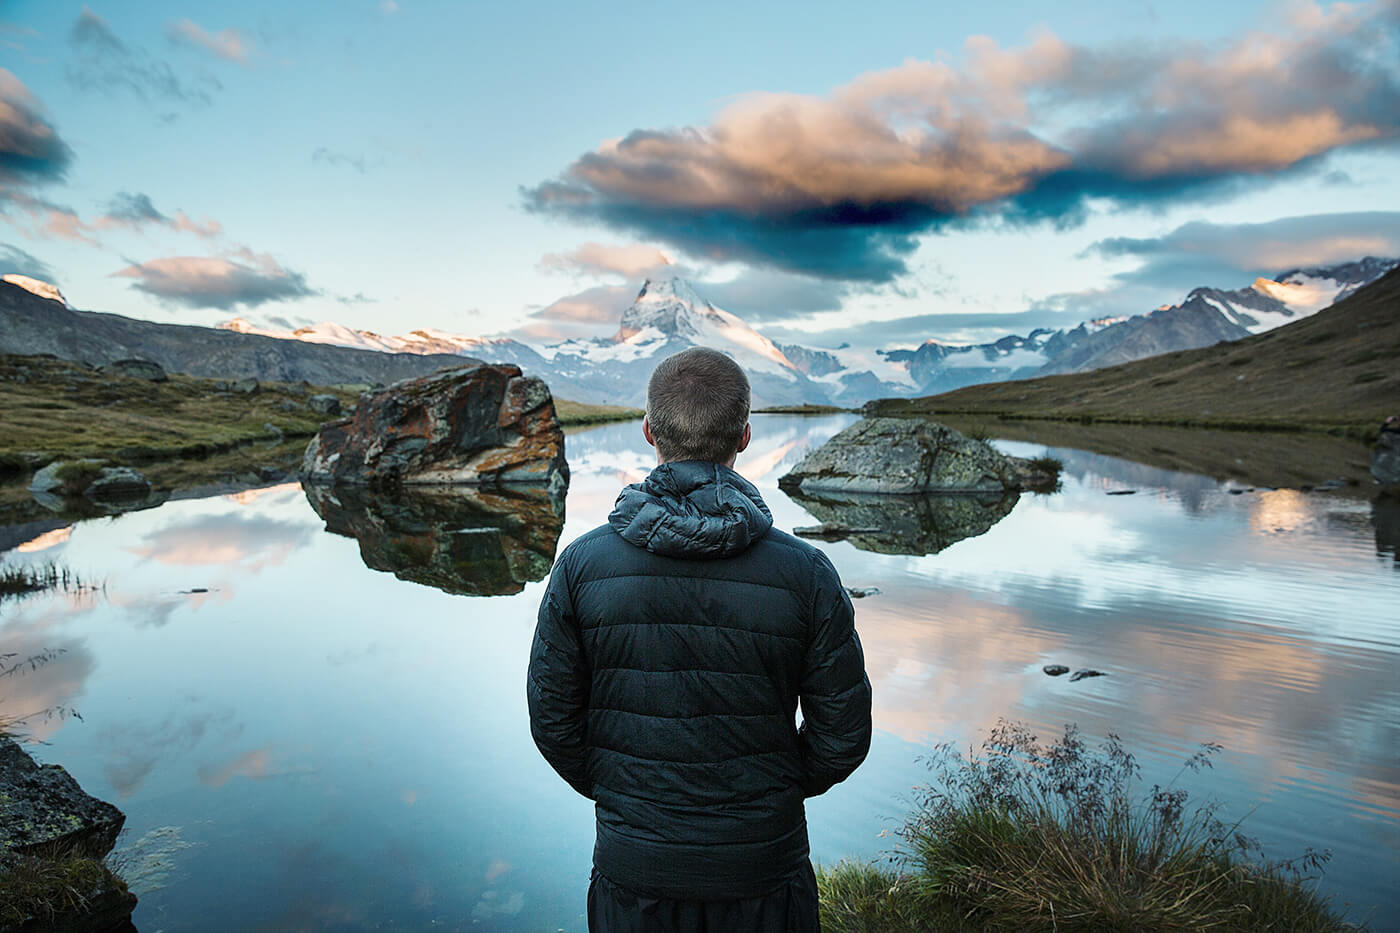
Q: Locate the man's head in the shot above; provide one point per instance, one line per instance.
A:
(697, 407)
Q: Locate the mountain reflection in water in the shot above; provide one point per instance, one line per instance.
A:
(915, 524)
(461, 540)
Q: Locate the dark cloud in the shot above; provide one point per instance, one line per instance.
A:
(105, 63)
(14, 259)
(217, 282)
(31, 151)
(844, 186)
(1205, 253)
(136, 208)
(359, 298)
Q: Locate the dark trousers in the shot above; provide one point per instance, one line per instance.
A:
(791, 908)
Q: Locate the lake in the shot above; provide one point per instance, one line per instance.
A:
(312, 707)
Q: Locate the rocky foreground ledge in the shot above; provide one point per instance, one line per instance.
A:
(479, 426)
(907, 455)
(53, 837)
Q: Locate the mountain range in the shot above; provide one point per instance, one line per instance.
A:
(669, 315)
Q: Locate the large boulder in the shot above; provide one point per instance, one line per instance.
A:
(324, 404)
(905, 455)
(137, 369)
(53, 838)
(1385, 458)
(479, 425)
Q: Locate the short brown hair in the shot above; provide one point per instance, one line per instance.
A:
(698, 405)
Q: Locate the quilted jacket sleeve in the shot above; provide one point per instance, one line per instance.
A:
(557, 686)
(835, 733)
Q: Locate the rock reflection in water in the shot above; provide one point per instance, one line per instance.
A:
(461, 540)
(914, 524)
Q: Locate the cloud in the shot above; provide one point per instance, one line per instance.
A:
(760, 295)
(215, 282)
(14, 259)
(956, 327)
(228, 44)
(31, 151)
(583, 314)
(107, 64)
(636, 261)
(325, 156)
(137, 210)
(388, 7)
(844, 186)
(1245, 251)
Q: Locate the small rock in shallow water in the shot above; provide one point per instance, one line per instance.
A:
(1055, 670)
(1121, 492)
(1086, 672)
(860, 592)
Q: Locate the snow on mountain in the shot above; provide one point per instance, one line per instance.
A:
(35, 286)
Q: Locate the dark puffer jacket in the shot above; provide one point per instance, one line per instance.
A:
(673, 646)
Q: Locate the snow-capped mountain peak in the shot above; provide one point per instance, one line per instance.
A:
(37, 287)
(671, 309)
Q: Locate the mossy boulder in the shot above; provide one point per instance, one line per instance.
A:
(906, 455)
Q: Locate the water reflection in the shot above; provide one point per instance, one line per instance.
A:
(461, 540)
(907, 524)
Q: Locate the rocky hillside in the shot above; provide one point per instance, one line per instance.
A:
(1337, 367)
(33, 324)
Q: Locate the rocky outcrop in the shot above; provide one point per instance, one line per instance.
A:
(912, 524)
(478, 425)
(467, 541)
(324, 404)
(137, 369)
(53, 837)
(1385, 458)
(902, 455)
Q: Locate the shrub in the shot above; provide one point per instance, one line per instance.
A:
(1025, 836)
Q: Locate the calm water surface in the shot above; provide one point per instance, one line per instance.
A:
(312, 744)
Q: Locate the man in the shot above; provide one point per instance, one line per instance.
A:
(673, 646)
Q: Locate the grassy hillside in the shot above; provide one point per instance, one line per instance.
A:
(55, 408)
(578, 413)
(1336, 370)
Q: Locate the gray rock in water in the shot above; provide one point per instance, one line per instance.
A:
(118, 483)
(44, 815)
(1055, 670)
(860, 592)
(46, 480)
(903, 455)
(42, 806)
(1085, 672)
(324, 404)
(1385, 458)
(830, 531)
(137, 369)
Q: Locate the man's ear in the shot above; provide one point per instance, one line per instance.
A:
(744, 441)
(646, 432)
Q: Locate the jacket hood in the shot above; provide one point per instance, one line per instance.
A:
(692, 509)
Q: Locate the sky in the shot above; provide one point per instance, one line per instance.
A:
(879, 175)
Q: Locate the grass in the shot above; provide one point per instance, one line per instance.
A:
(572, 414)
(1027, 836)
(1332, 372)
(805, 409)
(54, 409)
(37, 891)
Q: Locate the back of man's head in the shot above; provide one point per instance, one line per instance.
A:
(698, 406)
